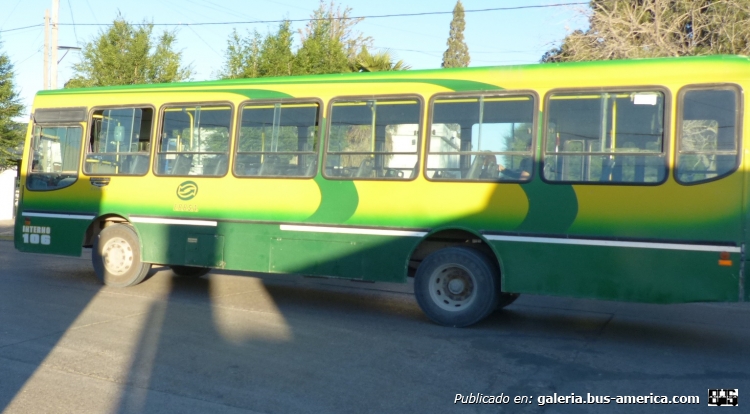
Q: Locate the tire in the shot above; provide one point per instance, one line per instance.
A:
(116, 257)
(190, 271)
(456, 286)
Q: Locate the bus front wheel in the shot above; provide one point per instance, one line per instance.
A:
(190, 271)
(116, 257)
(456, 286)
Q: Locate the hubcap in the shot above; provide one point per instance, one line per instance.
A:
(452, 287)
(117, 255)
(456, 286)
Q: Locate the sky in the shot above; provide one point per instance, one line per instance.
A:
(494, 37)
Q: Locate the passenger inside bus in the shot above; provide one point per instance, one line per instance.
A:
(523, 171)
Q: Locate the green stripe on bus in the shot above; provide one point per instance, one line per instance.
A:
(552, 207)
(339, 201)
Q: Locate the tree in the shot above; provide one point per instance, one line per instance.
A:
(649, 28)
(329, 42)
(125, 54)
(11, 135)
(242, 56)
(457, 54)
(379, 62)
(256, 56)
(276, 57)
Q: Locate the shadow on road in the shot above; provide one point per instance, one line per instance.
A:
(233, 342)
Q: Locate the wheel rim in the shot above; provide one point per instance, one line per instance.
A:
(452, 287)
(118, 256)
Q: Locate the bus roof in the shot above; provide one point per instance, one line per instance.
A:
(730, 66)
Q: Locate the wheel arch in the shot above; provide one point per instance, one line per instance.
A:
(100, 223)
(442, 237)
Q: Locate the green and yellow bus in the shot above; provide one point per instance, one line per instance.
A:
(620, 180)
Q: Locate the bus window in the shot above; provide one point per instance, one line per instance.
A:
(279, 139)
(611, 137)
(120, 142)
(486, 138)
(55, 154)
(373, 138)
(194, 140)
(707, 147)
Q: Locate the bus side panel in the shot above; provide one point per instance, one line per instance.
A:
(71, 209)
(350, 256)
(50, 235)
(200, 246)
(266, 248)
(618, 273)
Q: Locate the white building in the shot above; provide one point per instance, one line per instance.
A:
(7, 193)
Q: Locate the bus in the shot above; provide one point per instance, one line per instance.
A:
(618, 180)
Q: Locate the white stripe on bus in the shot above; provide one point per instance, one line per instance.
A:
(155, 220)
(407, 233)
(616, 243)
(61, 216)
(352, 230)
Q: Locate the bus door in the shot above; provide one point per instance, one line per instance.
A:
(52, 216)
(116, 159)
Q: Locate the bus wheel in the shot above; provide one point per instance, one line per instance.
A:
(190, 271)
(456, 286)
(117, 257)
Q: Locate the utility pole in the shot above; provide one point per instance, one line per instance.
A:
(45, 84)
(55, 9)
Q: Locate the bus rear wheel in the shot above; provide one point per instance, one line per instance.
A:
(456, 286)
(190, 271)
(116, 257)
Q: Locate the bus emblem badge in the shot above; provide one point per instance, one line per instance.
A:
(187, 190)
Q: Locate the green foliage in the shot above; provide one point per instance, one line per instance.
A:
(328, 44)
(11, 133)
(651, 28)
(457, 54)
(125, 54)
(378, 62)
(256, 56)
(323, 50)
(276, 57)
(519, 139)
(242, 56)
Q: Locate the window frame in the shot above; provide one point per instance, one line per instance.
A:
(492, 93)
(160, 125)
(238, 126)
(52, 124)
(387, 97)
(89, 131)
(739, 109)
(666, 135)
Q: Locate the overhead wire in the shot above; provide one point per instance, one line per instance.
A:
(10, 13)
(91, 10)
(217, 6)
(29, 57)
(377, 16)
(70, 8)
(193, 30)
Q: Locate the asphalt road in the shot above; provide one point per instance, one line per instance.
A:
(6, 229)
(239, 343)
